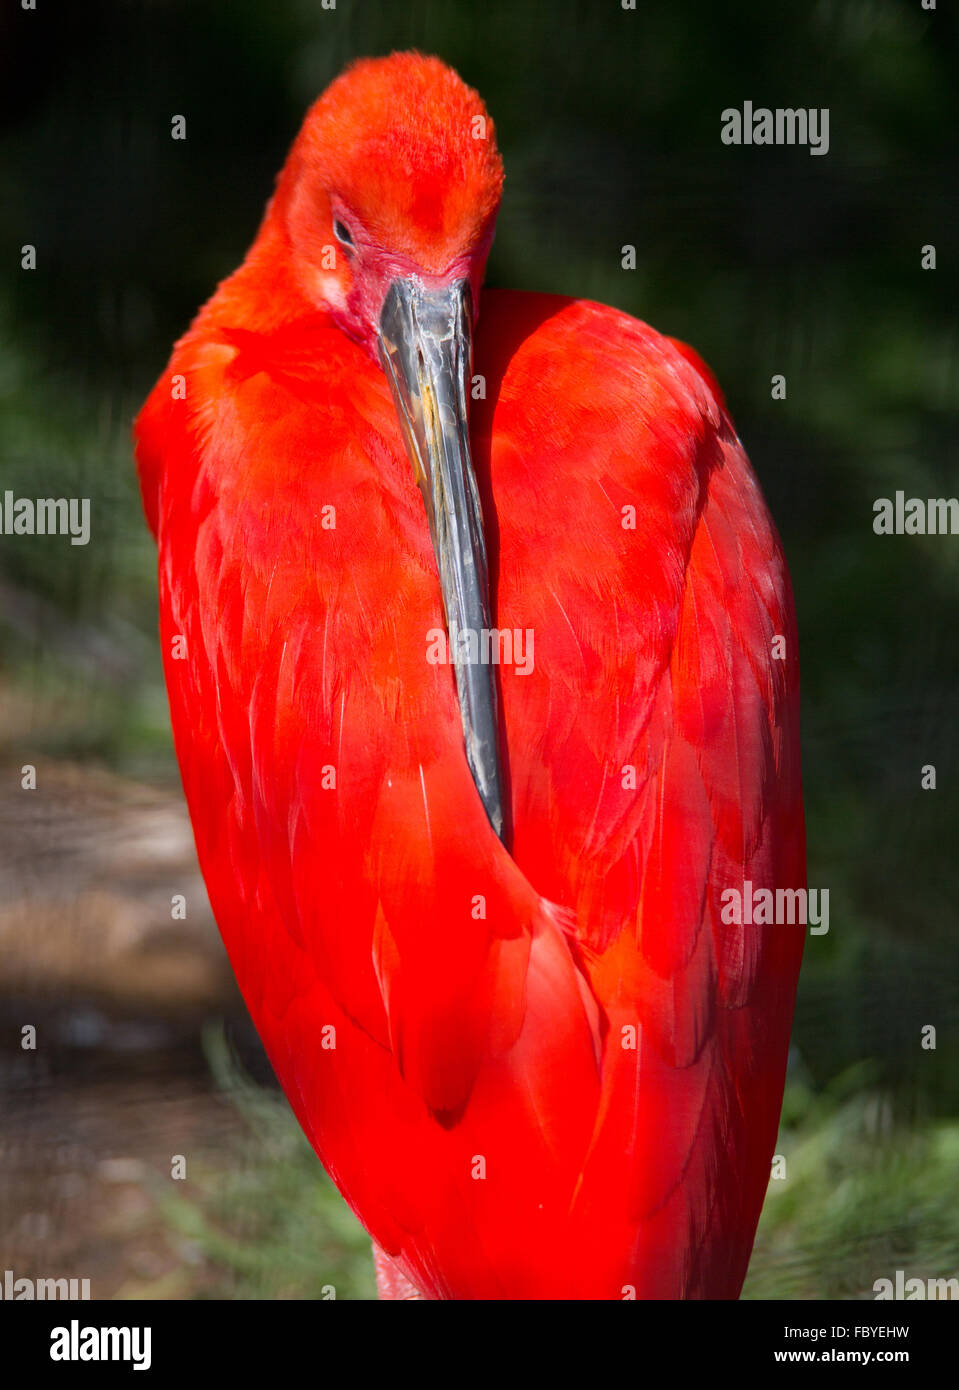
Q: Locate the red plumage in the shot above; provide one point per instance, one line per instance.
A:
(482, 1109)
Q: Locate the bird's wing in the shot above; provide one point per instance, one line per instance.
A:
(654, 756)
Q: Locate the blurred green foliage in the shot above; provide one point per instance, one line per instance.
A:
(271, 1224)
(766, 259)
(862, 1195)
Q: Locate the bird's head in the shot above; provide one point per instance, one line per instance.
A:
(388, 200)
(394, 176)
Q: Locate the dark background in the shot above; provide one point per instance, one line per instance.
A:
(768, 260)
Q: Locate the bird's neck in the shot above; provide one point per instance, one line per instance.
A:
(263, 294)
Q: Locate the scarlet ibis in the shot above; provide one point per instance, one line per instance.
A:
(482, 667)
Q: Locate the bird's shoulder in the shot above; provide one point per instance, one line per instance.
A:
(254, 401)
(570, 347)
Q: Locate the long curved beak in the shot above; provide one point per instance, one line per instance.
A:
(425, 342)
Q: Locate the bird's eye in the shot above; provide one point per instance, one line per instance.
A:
(342, 232)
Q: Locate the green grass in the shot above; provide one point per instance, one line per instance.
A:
(270, 1224)
(864, 1195)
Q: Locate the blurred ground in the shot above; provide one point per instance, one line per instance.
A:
(86, 887)
(117, 992)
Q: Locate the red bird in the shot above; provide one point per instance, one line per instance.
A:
(483, 674)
